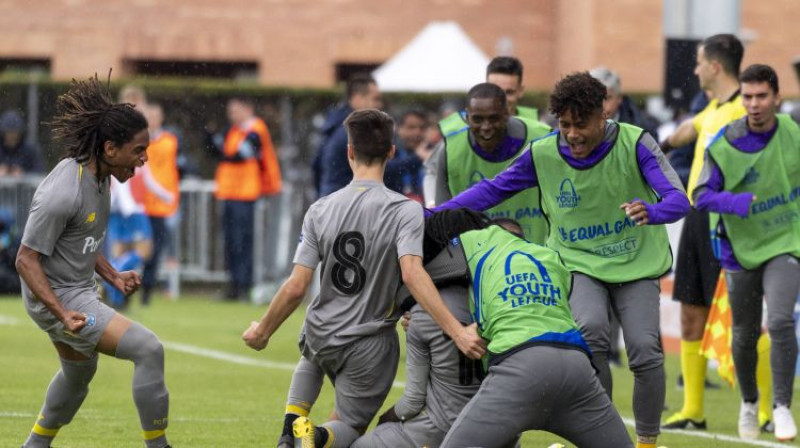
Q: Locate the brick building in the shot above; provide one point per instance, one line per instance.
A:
(309, 43)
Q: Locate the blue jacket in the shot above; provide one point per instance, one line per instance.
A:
(403, 171)
(330, 167)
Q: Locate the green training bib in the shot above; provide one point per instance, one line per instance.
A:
(519, 291)
(588, 229)
(465, 168)
(773, 174)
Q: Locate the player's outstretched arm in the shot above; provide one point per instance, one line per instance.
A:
(30, 269)
(426, 294)
(286, 300)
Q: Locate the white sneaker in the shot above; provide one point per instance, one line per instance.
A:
(785, 429)
(748, 421)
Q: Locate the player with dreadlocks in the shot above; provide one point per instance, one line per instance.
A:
(606, 189)
(60, 253)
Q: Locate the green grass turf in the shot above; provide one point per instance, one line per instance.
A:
(219, 403)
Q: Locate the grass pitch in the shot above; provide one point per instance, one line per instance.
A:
(223, 394)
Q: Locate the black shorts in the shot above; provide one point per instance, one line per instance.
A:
(697, 270)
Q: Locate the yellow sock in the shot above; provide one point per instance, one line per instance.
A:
(329, 443)
(764, 379)
(693, 367)
(301, 410)
(646, 441)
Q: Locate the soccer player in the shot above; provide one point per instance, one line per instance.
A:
(491, 141)
(504, 72)
(539, 371)
(366, 238)
(697, 271)
(751, 177)
(60, 254)
(440, 380)
(606, 188)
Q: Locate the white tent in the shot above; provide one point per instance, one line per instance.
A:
(441, 58)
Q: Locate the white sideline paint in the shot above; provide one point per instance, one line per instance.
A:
(239, 359)
(8, 320)
(105, 417)
(711, 436)
(248, 361)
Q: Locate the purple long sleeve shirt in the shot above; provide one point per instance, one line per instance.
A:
(522, 174)
(710, 195)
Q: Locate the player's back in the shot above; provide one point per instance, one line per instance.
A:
(359, 233)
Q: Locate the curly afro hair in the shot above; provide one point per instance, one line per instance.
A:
(579, 93)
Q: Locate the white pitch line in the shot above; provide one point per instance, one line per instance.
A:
(712, 436)
(17, 415)
(239, 359)
(8, 320)
(89, 416)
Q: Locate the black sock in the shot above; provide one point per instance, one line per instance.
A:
(288, 419)
(320, 436)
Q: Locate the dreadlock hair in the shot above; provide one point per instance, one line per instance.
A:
(86, 118)
(579, 93)
(445, 225)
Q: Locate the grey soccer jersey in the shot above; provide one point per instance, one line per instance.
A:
(359, 234)
(438, 375)
(67, 224)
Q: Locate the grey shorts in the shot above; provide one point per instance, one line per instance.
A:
(540, 388)
(85, 301)
(362, 374)
(419, 431)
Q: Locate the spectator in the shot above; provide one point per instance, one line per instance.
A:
(331, 170)
(162, 196)
(134, 95)
(9, 279)
(621, 108)
(403, 172)
(16, 156)
(129, 234)
(243, 149)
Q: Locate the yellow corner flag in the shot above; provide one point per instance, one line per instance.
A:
(718, 334)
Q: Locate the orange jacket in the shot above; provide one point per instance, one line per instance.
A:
(238, 180)
(271, 180)
(162, 161)
(246, 180)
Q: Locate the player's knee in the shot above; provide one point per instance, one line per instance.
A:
(596, 334)
(644, 354)
(153, 350)
(140, 345)
(745, 338)
(778, 323)
(693, 322)
(79, 374)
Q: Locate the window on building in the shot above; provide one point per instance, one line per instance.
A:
(24, 65)
(344, 71)
(236, 70)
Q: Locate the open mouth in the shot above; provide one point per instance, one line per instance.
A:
(578, 147)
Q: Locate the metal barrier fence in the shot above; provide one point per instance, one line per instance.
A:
(198, 235)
